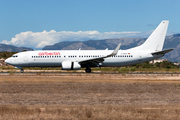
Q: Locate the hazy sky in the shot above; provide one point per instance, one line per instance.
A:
(36, 23)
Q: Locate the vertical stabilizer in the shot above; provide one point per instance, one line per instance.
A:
(155, 41)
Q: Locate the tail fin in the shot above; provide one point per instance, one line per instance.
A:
(155, 41)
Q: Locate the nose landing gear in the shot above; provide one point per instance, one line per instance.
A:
(22, 70)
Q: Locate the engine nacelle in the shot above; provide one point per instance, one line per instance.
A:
(68, 65)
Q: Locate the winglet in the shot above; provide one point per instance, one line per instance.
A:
(115, 51)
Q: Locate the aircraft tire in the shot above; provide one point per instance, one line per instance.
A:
(88, 70)
(22, 70)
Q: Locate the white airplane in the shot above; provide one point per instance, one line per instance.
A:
(77, 59)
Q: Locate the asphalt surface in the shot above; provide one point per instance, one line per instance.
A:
(83, 73)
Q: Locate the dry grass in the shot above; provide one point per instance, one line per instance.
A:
(106, 112)
(89, 96)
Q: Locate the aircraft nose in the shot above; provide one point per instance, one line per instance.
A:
(7, 61)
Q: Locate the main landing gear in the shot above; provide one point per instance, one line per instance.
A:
(88, 70)
(22, 70)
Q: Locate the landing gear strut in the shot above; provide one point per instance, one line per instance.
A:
(88, 70)
(22, 70)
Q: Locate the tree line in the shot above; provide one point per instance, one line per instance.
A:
(164, 64)
(6, 54)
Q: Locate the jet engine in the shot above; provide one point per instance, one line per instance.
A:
(68, 65)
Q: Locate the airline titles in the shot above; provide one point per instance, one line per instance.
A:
(48, 53)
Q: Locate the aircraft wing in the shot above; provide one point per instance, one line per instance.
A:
(162, 52)
(100, 59)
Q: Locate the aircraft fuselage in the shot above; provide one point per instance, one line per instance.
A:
(55, 58)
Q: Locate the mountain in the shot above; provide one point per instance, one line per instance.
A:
(11, 48)
(96, 44)
(172, 41)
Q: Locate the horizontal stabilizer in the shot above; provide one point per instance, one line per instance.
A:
(162, 52)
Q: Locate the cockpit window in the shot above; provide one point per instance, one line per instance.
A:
(14, 56)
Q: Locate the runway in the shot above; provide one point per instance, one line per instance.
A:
(57, 73)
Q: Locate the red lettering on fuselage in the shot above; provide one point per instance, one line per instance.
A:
(48, 53)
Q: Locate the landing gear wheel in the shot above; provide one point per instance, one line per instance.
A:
(88, 70)
(22, 70)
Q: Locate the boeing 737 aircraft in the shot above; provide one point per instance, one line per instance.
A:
(77, 59)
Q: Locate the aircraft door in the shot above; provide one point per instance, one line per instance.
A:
(26, 57)
(139, 56)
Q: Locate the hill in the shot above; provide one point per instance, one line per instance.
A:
(172, 41)
(96, 44)
(11, 48)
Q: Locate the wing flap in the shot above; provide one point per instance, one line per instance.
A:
(101, 59)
